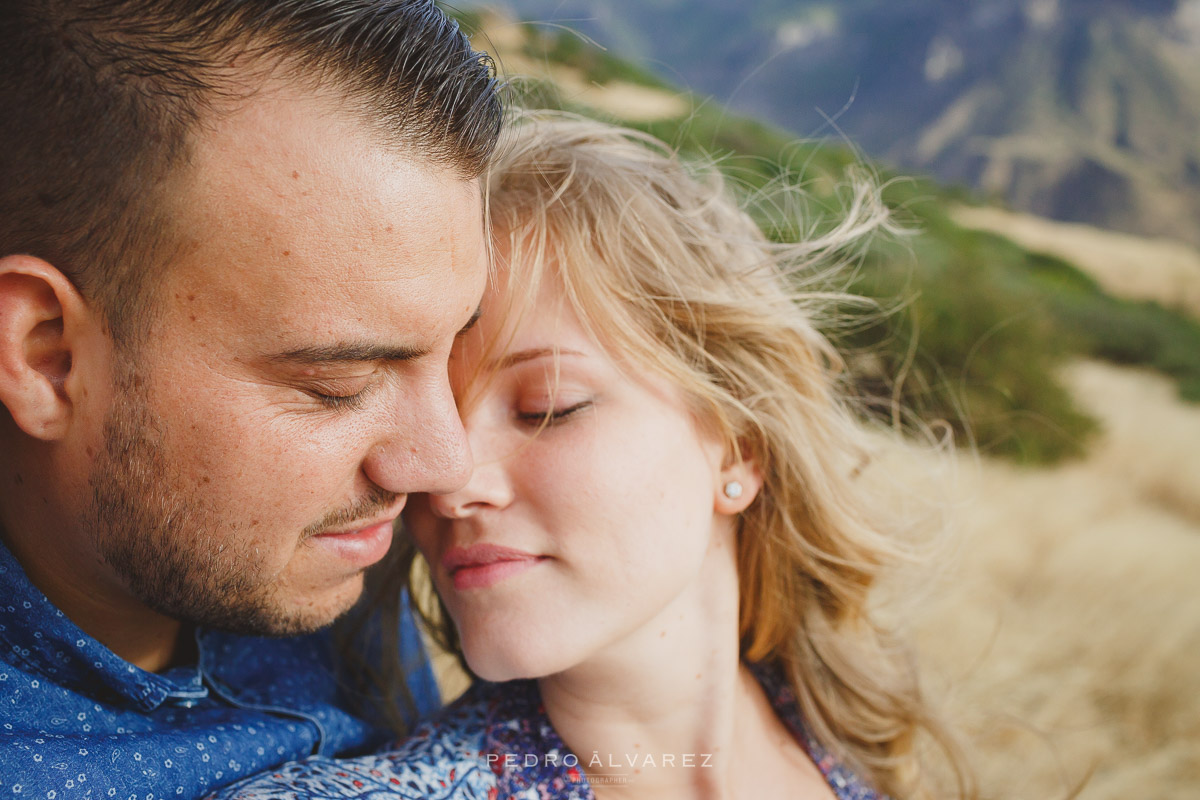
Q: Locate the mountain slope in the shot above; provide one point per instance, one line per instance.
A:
(1080, 110)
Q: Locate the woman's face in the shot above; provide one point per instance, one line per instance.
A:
(593, 536)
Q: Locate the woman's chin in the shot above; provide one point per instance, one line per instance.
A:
(510, 663)
(501, 667)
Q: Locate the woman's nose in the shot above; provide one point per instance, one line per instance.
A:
(488, 488)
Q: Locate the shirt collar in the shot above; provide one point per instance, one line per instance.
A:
(40, 638)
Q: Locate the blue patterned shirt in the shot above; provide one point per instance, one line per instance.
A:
(77, 721)
(496, 743)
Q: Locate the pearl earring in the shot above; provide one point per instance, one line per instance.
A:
(733, 490)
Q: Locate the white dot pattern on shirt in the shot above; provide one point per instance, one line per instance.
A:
(67, 731)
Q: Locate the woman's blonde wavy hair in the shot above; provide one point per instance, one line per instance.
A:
(665, 269)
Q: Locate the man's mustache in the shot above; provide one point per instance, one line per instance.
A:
(364, 508)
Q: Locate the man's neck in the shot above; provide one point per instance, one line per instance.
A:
(107, 613)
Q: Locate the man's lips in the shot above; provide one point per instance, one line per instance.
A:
(362, 546)
(483, 565)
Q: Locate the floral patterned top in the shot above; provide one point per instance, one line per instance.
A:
(496, 743)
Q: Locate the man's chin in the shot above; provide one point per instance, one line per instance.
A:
(278, 617)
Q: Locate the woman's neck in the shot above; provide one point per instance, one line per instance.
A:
(671, 712)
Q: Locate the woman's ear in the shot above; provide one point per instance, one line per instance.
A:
(740, 481)
(39, 312)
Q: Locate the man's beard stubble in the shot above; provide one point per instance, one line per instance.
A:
(159, 540)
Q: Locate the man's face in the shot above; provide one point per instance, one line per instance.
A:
(293, 390)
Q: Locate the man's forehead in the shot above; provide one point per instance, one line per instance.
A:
(306, 156)
(303, 230)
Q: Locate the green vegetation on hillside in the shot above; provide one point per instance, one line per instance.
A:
(974, 325)
(969, 327)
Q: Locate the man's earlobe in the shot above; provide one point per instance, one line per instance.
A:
(38, 306)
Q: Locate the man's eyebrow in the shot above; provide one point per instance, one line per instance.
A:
(520, 357)
(358, 352)
(347, 352)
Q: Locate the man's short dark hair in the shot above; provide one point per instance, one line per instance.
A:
(98, 98)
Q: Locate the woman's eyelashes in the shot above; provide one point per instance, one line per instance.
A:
(553, 415)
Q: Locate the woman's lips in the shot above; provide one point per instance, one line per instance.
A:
(483, 565)
(362, 547)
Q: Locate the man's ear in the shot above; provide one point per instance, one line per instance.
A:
(740, 481)
(40, 312)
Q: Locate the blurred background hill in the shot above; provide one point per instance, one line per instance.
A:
(1078, 110)
(1045, 304)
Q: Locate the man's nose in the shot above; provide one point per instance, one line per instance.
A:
(426, 449)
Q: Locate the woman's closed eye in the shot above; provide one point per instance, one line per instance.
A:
(553, 414)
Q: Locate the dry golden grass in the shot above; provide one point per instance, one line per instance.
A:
(1067, 634)
(1130, 266)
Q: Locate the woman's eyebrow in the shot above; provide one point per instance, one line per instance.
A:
(521, 356)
